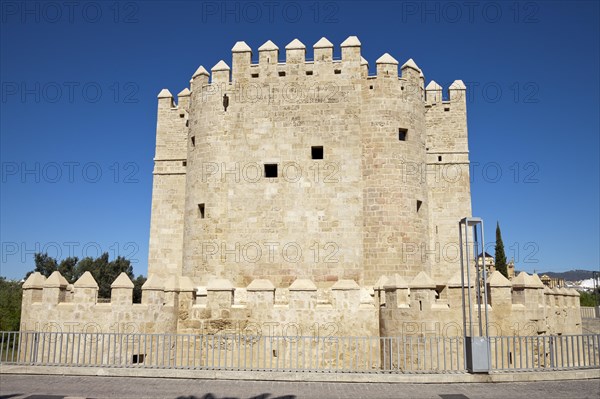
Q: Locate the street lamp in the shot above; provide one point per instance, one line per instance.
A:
(477, 347)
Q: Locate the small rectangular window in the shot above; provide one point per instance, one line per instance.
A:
(446, 109)
(419, 203)
(201, 210)
(139, 358)
(402, 134)
(255, 75)
(316, 152)
(337, 71)
(193, 138)
(439, 158)
(281, 73)
(184, 163)
(309, 73)
(371, 87)
(271, 170)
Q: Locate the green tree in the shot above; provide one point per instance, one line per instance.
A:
(103, 271)
(588, 298)
(500, 255)
(68, 269)
(44, 264)
(10, 304)
(137, 288)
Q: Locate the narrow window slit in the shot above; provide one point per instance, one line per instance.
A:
(201, 210)
(225, 102)
(402, 134)
(419, 203)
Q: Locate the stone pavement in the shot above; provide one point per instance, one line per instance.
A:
(590, 326)
(59, 387)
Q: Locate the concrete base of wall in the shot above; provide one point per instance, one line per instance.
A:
(306, 376)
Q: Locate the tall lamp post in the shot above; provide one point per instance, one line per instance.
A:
(477, 343)
(596, 283)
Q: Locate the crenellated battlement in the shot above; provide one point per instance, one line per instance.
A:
(219, 292)
(294, 65)
(323, 67)
(524, 305)
(392, 302)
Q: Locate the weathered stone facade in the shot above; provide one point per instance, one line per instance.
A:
(311, 196)
(394, 308)
(385, 198)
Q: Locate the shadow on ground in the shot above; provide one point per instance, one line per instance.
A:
(261, 396)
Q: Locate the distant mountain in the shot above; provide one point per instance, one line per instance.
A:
(571, 275)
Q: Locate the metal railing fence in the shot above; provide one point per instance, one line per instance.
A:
(234, 352)
(545, 352)
(405, 354)
(589, 312)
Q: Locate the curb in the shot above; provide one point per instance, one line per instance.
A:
(497, 377)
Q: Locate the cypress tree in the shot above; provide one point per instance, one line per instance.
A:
(500, 256)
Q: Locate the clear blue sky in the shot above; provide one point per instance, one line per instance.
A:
(78, 110)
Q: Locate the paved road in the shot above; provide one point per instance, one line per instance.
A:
(59, 387)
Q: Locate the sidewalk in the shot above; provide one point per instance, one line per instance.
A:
(57, 387)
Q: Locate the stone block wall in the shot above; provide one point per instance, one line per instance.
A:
(394, 307)
(521, 307)
(168, 185)
(385, 198)
(222, 319)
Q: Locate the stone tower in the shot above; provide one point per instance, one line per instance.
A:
(306, 198)
(309, 169)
